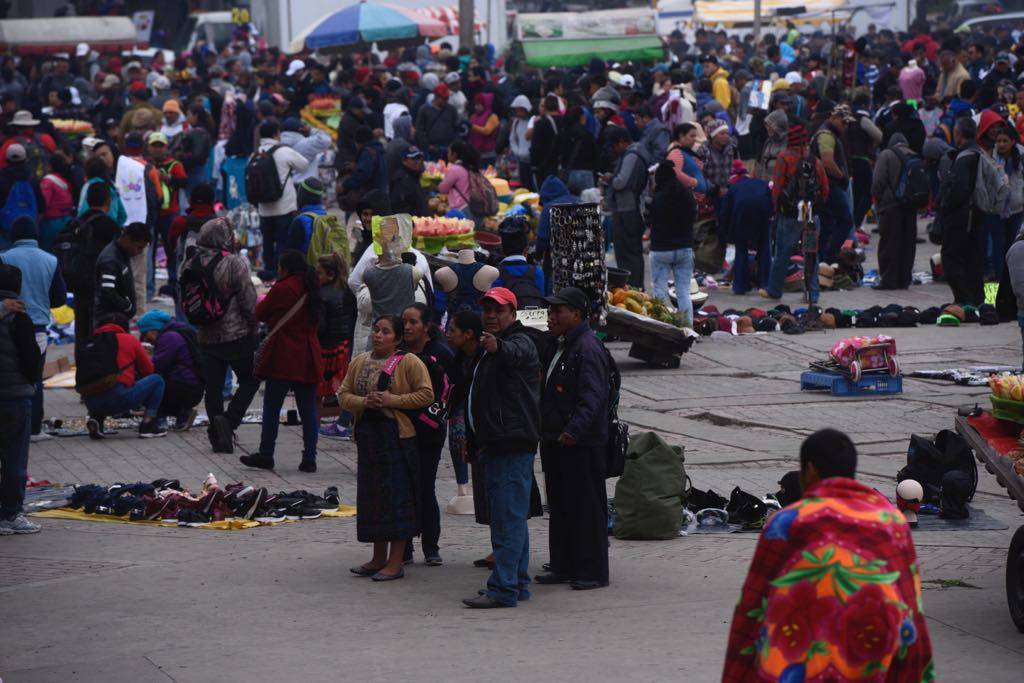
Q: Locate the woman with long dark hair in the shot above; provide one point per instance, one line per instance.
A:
(421, 337)
(462, 160)
(672, 215)
(58, 191)
(1008, 153)
(379, 387)
(337, 325)
(290, 357)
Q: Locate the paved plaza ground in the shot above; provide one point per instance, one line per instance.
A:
(86, 601)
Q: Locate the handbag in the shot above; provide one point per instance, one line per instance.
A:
(262, 348)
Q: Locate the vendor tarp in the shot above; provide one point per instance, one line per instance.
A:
(36, 36)
(569, 53)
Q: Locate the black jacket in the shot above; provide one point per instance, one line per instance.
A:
(673, 213)
(956, 196)
(575, 396)
(407, 195)
(436, 127)
(115, 284)
(101, 231)
(505, 396)
(19, 354)
(338, 323)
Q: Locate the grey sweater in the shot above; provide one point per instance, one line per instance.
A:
(886, 176)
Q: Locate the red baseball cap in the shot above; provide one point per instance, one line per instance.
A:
(441, 90)
(501, 296)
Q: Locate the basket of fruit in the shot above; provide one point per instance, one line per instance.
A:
(641, 303)
(1007, 397)
(431, 234)
(323, 112)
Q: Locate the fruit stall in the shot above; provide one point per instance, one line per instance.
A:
(323, 113)
(997, 438)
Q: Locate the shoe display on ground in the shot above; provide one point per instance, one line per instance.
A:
(333, 496)
(268, 516)
(193, 518)
(20, 524)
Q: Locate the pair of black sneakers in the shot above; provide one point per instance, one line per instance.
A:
(296, 505)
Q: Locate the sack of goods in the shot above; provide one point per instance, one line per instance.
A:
(649, 496)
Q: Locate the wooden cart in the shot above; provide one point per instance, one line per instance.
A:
(1002, 468)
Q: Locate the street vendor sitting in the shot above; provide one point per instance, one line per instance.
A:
(834, 589)
(176, 358)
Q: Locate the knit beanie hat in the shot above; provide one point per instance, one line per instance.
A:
(153, 320)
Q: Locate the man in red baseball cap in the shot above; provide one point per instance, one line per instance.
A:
(503, 418)
(437, 124)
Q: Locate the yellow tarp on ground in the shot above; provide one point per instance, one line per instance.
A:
(226, 525)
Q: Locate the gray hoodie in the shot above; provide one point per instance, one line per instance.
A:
(621, 194)
(774, 144)
(886, 175)
(235, 283)
(310, 147)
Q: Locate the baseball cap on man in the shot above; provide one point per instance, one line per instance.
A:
(413, 153)
(501, 296)
(16, 153)
(295, 66)
(570, 296)
(157, 138)
(441, 90)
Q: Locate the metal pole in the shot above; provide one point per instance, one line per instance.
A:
(466, 15)
(757, 22)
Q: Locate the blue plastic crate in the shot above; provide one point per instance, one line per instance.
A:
(874, 384)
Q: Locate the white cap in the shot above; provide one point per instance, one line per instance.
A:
(453, 77)
(82, 50)
(90, 142)
(522, 102)
(794, 77)
(627, 81)
(162, 83)
(295, 66)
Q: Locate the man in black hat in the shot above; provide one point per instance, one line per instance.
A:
(407, 194)
(574, 438)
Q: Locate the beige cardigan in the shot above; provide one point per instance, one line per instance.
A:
(410, 385)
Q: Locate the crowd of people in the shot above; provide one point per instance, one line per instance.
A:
(781, 146)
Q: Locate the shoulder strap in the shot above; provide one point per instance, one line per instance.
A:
(388, 371)
(288, 316)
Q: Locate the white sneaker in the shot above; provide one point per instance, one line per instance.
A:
(41, 436)
(19, 525)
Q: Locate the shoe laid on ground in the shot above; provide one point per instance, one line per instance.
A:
(268, 516)
(95, 428)
(193, 518)
(551, 579)
(153, 429)
(582, 585)
(246, 507)
(20, 524)
(41, 436)
(336, 431)
(333, 496)
(307, 466)
(257, 461)
(381, 576)
(222, 435)
(433, 560)
(301, 511)
(484, 601)
(763, 293)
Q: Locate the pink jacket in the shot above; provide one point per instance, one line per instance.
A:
(57, 196)
(675, 155)
(455, 184)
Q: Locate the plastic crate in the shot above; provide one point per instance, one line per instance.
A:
(875, 384)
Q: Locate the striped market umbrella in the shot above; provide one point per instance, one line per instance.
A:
(365, 23)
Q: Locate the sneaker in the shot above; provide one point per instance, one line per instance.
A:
(297, 509)
(193, 518)
(41, 436)
(336, 431)
(95, 428)
(333, 496)
(307, 466)
(152, 429)
(257, 461)
(19, 525)
(247, 507)
(268, 516)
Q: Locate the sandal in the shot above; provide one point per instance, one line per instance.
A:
(381, 576)
(360, 570)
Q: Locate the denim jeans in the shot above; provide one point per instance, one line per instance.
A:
(787, 236)
(274, 391)
(147, 392)
(508, 490)
(678, 264)
(15, 414)
(275, 238)
(836, 224)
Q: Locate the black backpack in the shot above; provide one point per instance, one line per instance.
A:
(262, 181)
(96, 368)
(803, 186)
(76, 253)
(914, 187)
(928, 462)
(429, 422)
(523, 286)
(201, 298)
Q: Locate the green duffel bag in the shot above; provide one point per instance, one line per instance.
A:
(650, 494)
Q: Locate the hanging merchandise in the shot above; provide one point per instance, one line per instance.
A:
(577, 248)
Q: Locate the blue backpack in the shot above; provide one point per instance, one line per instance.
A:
(21, 201)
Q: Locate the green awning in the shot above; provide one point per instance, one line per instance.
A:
(546, 53)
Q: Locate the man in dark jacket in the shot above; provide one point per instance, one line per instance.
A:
(574, 437)
(97, 230)
(351, 121)
(503, 419)
(407, 195)
(115, 281)
(963, 232)
(897, 224)
(371, 171)
(437, 125)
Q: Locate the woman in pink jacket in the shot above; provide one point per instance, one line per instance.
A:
(58, 198)
(462, 160)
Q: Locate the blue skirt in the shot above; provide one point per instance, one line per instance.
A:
(388, 468)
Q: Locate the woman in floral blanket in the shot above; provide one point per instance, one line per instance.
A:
(834, 590)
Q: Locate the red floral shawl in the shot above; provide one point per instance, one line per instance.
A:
(833, 594)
